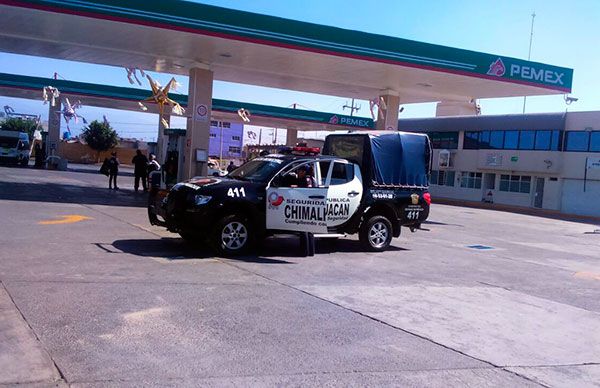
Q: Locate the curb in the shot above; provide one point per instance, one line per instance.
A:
(554, 214)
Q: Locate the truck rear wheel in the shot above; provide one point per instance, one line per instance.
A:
(232, 235)
(376, 233)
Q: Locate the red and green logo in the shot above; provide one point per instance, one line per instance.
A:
(497, 68)
(275, 199)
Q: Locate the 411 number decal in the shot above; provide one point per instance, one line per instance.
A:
(413, 214)
(237, 192)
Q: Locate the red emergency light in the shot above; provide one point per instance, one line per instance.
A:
(306, 150)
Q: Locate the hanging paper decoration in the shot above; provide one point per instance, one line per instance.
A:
(380, 104)
(50, 93)
(132, 74)
(160, 96)
(244, 115)
(69, 112)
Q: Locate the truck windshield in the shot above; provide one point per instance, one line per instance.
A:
(8, 142)
(257, 170)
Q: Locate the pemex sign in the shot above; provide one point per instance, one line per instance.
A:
(531, 73)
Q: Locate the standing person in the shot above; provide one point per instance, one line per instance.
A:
(152, 166)
(170, 168)
(231, 166)
(113, 170)
(140, 162)
(39, 162)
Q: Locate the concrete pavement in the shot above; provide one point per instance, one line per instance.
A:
(112, 301)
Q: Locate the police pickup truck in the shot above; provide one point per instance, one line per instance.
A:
(367, 183)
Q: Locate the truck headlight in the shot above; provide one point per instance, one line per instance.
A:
(202, 199)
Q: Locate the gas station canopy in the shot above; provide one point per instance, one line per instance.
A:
(125, 98)
(174, 36)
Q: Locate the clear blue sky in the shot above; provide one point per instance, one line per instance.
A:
(566, 34)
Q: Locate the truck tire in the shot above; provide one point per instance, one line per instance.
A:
(232, 235)
(376, 233)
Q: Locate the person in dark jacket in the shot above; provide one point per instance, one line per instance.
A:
(140, 163)
(231, 166)
(113, 171)
(305, 178)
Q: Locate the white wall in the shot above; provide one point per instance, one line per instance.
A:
(552, 194)
(455, 192)
(576, 201)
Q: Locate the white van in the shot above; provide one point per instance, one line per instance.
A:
(14, 147)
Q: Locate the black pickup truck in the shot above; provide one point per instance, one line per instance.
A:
(367, 183)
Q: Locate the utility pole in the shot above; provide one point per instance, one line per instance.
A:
(529, 55)
(351, 107)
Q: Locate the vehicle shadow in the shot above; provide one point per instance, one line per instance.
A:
(172, 248)
(69, 193)
(271, 251)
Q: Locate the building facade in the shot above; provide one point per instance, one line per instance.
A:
(547, 161)
(226, 140)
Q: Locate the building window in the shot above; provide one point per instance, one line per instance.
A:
(511, 140)
(236, 138)
(595, 141)
(556, 141)
(484, 140)
(444, 140)
(515, 183)
(578, 141)
(526, 140)
(496, 140)
(543, 140)
(218, 124)
(471, 140)
(443, 177)
(214, 135)
(234, 150)
(470, 180)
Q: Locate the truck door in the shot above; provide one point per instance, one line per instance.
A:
(344, 193)
(296, 200)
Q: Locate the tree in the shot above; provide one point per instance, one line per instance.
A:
(20, 125)
(100, 136)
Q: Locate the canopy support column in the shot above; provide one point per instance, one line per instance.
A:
(387, 114)
(53, 139)
(161, 139)
(198, 122)
(291, 137)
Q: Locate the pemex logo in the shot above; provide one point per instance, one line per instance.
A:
(275, 199)
(497, 68)
(334, 120)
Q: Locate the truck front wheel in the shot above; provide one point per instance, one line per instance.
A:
(376, 233)
(232, 235)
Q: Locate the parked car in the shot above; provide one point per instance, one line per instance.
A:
(14, 148)
(366, 183)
